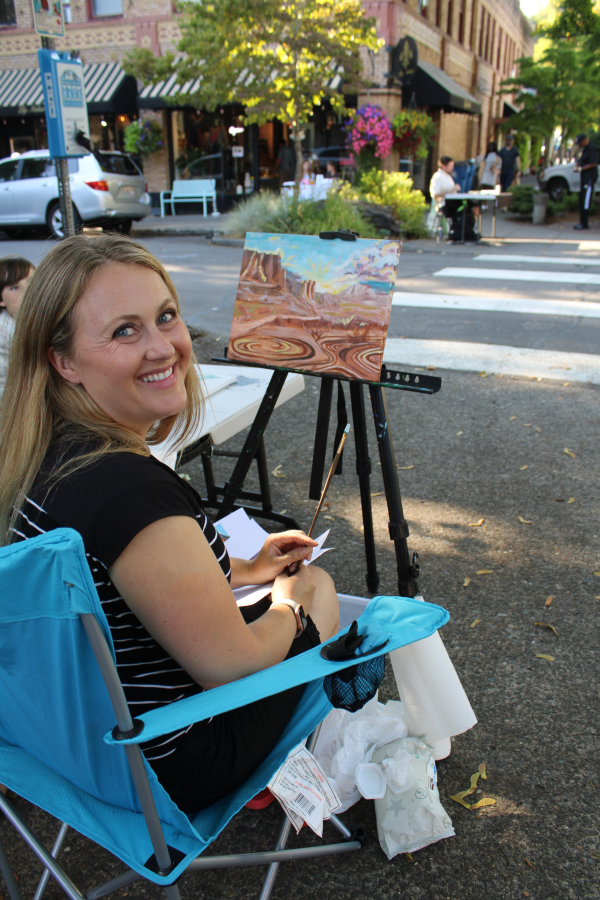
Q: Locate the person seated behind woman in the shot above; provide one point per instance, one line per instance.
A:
(15, 272)
(101, 368)
(490, 166)
(442, 182)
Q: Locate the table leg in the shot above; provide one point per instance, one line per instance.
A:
(398, 526)
(363, 470)
(234, 487)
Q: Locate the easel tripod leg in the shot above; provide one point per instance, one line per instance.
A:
(363, 470)
(398, 526)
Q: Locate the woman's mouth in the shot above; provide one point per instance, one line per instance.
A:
(157, 376)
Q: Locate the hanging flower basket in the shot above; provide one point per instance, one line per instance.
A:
(370, 137)
(143, 137)
(414, 132)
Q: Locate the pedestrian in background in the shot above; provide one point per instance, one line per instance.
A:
(15, 272)
(587, 166)
(442, 182)
(490, 166)
(511, 164)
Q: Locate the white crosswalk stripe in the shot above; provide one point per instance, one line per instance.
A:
(521, 305)
(520, 275)
(501, 359)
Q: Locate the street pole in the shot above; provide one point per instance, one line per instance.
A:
(62, 173)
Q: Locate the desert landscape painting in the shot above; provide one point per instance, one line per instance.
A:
(313, 305)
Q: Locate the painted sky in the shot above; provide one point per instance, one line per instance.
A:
(332, 265)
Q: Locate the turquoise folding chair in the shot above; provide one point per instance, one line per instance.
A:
(60, 750)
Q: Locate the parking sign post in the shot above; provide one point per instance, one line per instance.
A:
(66, 117)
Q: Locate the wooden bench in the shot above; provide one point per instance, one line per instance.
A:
(194, 190)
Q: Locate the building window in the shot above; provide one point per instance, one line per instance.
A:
(7, 12)
(102, 8)
(481, 31)
(461, 22)
(438, 14)
(423, 6)
(449, 20)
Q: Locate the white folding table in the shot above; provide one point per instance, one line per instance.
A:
(233, 395)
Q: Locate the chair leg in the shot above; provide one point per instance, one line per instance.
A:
(60, 839)
(271, 875)
(9, 876)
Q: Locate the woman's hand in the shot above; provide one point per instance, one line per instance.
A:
(277, 552)
(299, 587)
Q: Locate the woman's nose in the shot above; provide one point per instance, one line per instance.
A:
(158, 345)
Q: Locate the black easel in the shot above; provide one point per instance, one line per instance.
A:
(233, 490)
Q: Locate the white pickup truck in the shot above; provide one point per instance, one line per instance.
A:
(559, 180)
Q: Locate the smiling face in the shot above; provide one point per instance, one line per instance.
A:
(12, 295)
(131, 350)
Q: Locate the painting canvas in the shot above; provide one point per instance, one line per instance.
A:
(314, 305)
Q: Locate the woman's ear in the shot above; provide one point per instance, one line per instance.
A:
(64, 366)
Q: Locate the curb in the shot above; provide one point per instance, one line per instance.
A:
(177, 232)
(228, 242)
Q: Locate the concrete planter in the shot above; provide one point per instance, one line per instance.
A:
(540, 205)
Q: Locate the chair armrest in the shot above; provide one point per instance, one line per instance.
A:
(403, 619)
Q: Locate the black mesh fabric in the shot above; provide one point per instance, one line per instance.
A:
(353, 687)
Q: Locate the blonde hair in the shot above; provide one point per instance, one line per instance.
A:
(38, 404)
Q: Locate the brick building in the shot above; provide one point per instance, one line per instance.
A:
(466, 48)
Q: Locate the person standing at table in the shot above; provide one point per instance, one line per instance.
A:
(587, 166)
(511, 164)
(491, 164)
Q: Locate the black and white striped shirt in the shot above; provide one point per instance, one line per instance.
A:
(108, 503)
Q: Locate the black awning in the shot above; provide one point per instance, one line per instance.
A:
(435, 89)
(508, 110)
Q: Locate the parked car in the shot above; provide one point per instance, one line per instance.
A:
(206, 167)
(559, 180)
(107, 189)
(338, 155)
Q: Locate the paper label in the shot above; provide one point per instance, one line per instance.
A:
(303, 790)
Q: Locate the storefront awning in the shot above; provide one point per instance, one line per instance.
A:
(434, 88)
(107, 89)
(509, 110)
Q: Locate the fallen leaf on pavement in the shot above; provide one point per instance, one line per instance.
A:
(485, 801)
(483, 374)
(529, 864)
(524, 521)
(570, 500)
(546, 625)
(467, 582)
(329, 518)
(484, 572)
(458, 433)
(535, 428)
(548, 601)
(378, 494)
(278, 473)
(431, 368)
(597, 573)
(565, 384)
(473, 624)
(405, 467)
(408, 856)
(282, 512)
(544, 656)
(476, 524)
(460, 797)
(522, 469)
(526, 424)
(570, 453)
(512, 418)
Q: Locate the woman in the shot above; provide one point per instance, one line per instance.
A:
(442, 182)
(15, 272)
(101, 368)
(490, 168)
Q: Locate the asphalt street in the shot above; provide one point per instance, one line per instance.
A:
(500, 480)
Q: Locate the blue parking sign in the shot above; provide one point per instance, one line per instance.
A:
(64, 99)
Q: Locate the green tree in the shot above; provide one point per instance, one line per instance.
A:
(279, 58)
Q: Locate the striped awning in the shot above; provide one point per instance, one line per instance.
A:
(157, 96)
(105, 85)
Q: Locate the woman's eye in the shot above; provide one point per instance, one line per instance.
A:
(124, 331)
(167, 316)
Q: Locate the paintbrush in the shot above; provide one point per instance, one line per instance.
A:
(293, 568)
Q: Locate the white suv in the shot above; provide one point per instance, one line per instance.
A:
(107, 189)
(560, 180)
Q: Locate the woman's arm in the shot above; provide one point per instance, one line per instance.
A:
(170, 578)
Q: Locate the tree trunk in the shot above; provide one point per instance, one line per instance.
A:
(297, 135)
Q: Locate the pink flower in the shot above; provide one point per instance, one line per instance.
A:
(370, 126)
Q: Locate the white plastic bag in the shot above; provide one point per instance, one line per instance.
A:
(347, 740)
(409, 818)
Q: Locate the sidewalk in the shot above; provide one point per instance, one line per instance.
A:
(535, 239)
